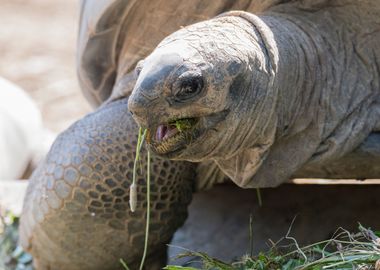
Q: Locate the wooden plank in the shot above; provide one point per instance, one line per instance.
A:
(322, 181)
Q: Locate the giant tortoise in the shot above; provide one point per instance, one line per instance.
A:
(272, 89)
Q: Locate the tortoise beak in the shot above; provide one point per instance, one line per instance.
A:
(141, 107)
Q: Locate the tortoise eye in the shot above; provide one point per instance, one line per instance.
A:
(188, 87)
(138, 68)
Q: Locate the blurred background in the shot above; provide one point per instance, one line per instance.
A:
(39, 98)
(37, 52)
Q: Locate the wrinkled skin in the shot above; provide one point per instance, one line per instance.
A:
(265, 92)
(285, 93)
(188, 76)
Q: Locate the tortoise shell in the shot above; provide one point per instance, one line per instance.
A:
(115, 35)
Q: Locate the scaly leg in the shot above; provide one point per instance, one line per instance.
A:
(76, 213)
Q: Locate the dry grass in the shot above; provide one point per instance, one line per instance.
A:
(344, 251)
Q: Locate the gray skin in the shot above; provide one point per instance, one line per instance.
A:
(270, 94)
(292, 91)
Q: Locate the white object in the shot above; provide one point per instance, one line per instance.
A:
(12, 193)
(20, 130)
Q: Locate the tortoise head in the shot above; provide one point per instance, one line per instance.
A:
(190, 90)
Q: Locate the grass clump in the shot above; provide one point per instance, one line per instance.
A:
(344, 251)
(12, 256)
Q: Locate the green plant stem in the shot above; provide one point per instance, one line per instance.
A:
(258, 192)
(124, 264)
(140, 141)
(251, 235)
(147, 213)
(133, 188)
(326, 242)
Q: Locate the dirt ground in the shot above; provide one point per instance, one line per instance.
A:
(37, 52)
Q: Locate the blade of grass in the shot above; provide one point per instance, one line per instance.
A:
(147, 212)
(258, 192)
(251, 235)
(123, 263)
(133, 187)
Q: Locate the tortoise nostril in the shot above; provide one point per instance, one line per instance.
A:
(138, 109)
(135, 106)
(140, 102)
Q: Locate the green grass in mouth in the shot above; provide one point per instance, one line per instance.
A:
(183, 124)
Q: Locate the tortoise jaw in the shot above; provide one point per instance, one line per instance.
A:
(172, 137)
(183, 136)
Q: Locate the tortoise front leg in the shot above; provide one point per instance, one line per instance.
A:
(76, 213)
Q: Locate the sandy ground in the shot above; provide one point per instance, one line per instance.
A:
(37, 52)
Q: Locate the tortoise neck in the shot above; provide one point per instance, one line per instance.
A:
(292, 65)
(296, 79)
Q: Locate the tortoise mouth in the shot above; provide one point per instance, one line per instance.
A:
(183, 138)
(168, 139)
